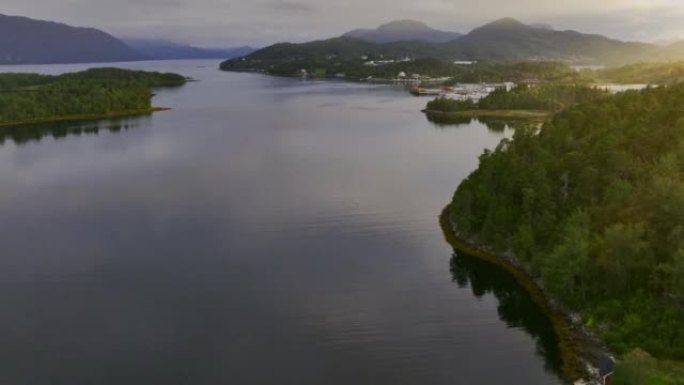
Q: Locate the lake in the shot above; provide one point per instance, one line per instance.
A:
(264, 231)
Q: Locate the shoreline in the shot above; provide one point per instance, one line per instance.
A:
(579, 348)
(85, 117)
(535, 115)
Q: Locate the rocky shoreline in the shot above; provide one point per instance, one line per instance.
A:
(581, 349)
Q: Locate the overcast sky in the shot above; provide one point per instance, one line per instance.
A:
(262, 22)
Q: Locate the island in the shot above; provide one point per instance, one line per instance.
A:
(88, 95)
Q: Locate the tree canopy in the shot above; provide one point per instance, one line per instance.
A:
(594, 204)
(30, 97)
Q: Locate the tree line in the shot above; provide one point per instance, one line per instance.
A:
(593, 203)
(28, 97)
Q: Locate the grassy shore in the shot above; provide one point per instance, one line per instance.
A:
(77, 118)
(534, 115)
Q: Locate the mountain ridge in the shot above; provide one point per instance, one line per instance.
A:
(501, 40)
(30, 41)
(403, 30)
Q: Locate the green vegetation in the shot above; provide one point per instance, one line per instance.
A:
(638, 367)
(593, 203)
(644, 73)
(502, 40)
(106, 92)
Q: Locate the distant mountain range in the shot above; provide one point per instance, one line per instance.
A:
(403, 30)
(509, 39)
(28, 41)
(168, 50)
(504, 39)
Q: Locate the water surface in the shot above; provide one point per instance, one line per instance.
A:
(264, 231)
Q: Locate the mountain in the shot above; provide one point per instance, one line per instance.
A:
(502, 40)
(346, 48)
(168, 50)
(29, 41)
(403, 30)
(509, 39)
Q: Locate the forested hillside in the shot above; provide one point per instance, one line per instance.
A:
(594, 204)
(102, 91)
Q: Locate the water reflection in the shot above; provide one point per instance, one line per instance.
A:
(220, 238)
(515, 306)
(494, 125)
(22, 135)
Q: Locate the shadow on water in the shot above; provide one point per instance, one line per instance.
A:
(515, 306)
(495, 125)
(22, 135)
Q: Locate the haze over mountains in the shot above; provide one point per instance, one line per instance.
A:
(504, 39)
(509, 39)
(168, 50)
(28, 41)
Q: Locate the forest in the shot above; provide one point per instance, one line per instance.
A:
(593, 204)
(95, 92)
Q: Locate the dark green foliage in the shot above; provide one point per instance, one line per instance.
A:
(28, 97)
(594, 204)
(640, 368)
(550, 97)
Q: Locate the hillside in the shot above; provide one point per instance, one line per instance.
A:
(509, 39)
(403, 30)
(28, 41)
(664, 73)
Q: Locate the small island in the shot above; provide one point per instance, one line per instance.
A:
(88, 95)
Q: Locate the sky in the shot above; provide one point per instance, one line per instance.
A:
(262, 22)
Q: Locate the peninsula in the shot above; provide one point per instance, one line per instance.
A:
(592, 205)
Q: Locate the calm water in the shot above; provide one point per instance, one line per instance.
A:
(265, 231)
